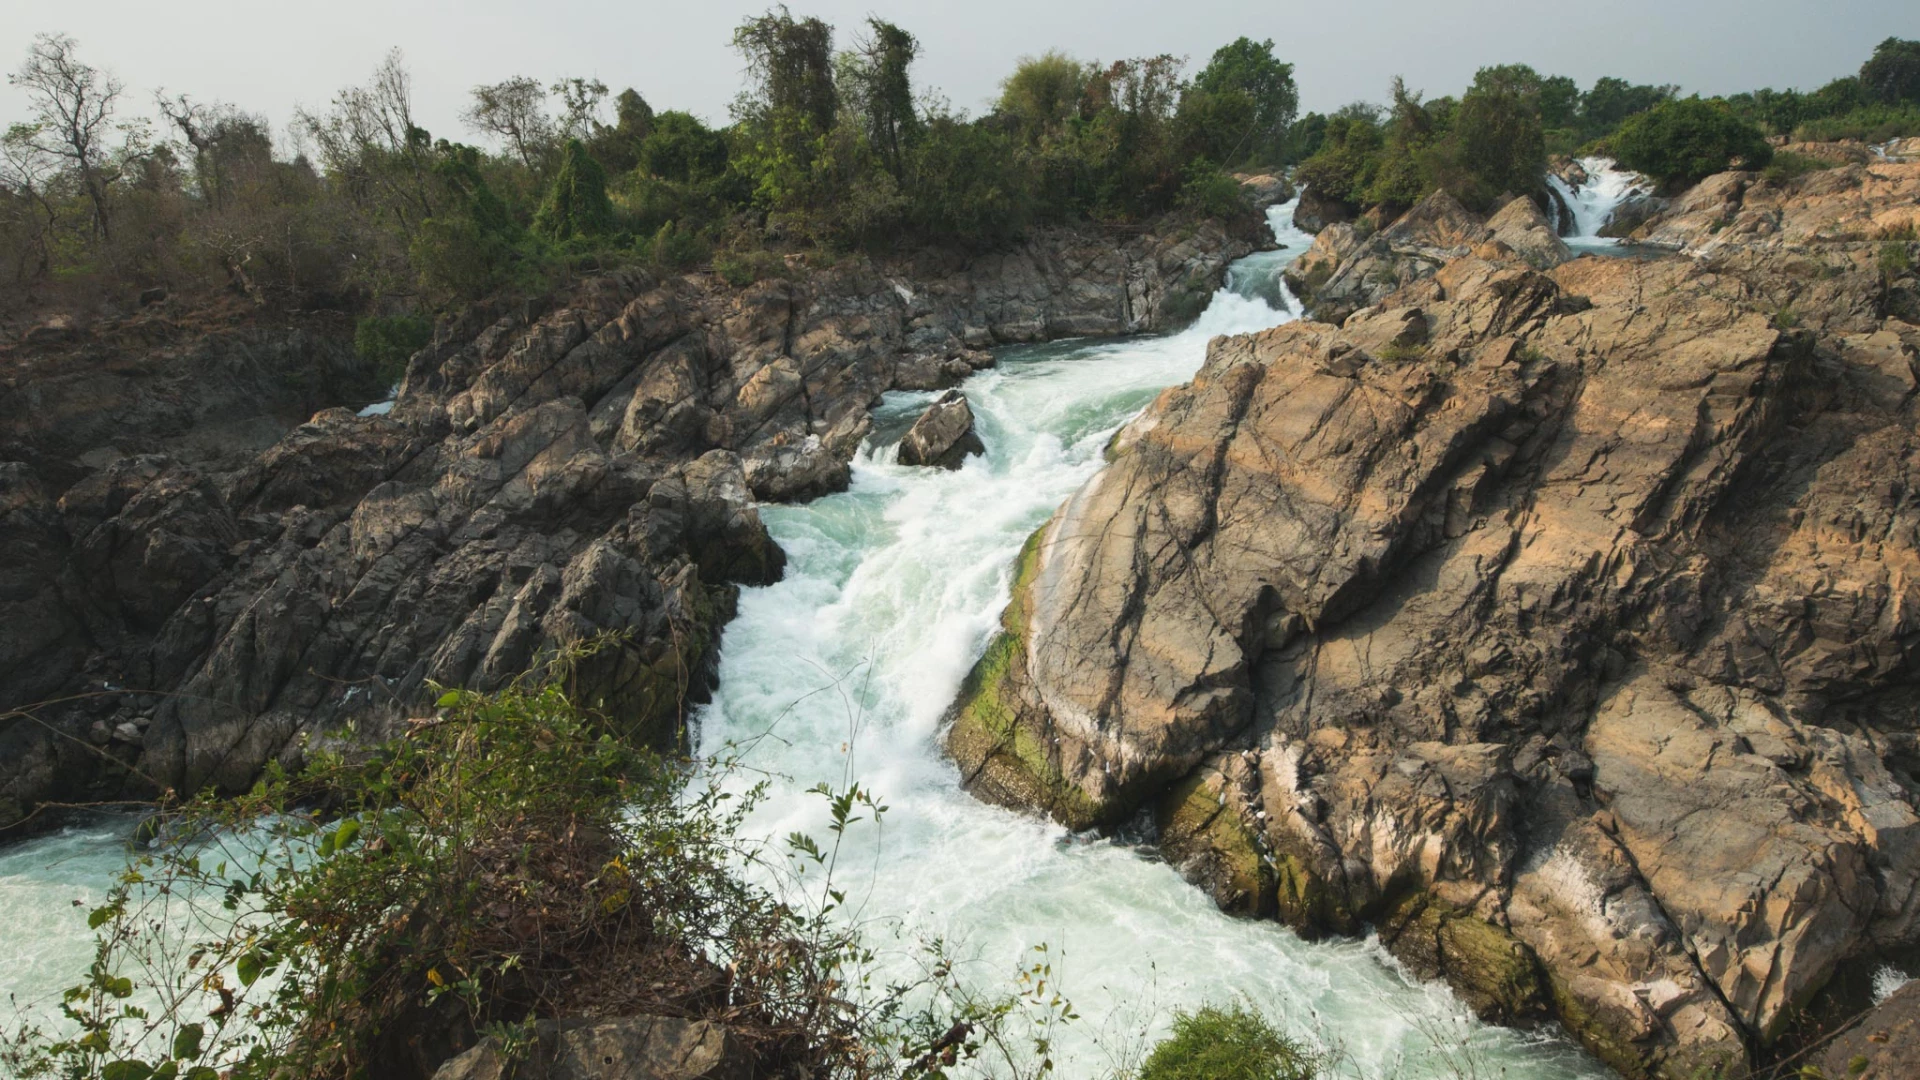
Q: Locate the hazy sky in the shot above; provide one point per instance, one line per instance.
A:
(676, 54)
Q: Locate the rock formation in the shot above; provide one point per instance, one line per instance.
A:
(943, 436)
(584, 469)
(1556, 621)
(1346, 270)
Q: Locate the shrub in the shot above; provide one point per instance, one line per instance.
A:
(1790, 166)
(1227, 1044)
(388, 342)
(1210, 192)
(1682, 142)
(1895, 259)
(675, 248)
(1871, 123)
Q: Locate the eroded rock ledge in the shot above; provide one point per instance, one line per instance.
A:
(1558, 622)
(548, 475)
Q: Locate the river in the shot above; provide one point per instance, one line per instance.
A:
(841, 672)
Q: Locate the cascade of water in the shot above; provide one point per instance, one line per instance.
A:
(842, 672)
(1593, 203)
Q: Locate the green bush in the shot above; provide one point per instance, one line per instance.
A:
(1871, 124)
(1685, 141)
(388, 342)
(1210, 192)
(1227, 1044)
(1790, 166)
(576, 204)
(1896, 258)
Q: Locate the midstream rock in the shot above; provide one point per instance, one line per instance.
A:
(943, 436)
(1560, 624)
(575, 470)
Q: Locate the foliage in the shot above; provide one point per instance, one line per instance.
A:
(1233, 1043)
(1891, 76)
(1683, 141)
(388, 342)
(1870, 124)
(1896, 258)
(576, 205)
(507, 859)
(1787, 166)
(1257, 85)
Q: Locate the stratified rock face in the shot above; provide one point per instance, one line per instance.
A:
(1559, 624)
(943, 436)
(1868, 201)
(549, 476)
(1345, 270)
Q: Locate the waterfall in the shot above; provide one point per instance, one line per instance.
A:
(842, 671)
(1592, 203)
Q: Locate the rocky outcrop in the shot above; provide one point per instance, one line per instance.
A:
(1856, 203)
(1265, 189)
(1315, 212)
(631, 1048)
(578, 471)
(943, 437)
(1346, 269)
(1558, 624)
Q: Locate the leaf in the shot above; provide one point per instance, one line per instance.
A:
(202, 1072)
(349, 829)
(249, 967)
(126, 1070)
(448, 700)
(186, 1041)
(98, 916)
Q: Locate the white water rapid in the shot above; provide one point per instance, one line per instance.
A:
(841, 672)
(1593, 203)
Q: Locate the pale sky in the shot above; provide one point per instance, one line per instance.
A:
(271, 57)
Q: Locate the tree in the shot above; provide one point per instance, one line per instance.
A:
(1250, 68)
(792, 61)
(618, 147)
(882, 91)
(73, 105)
(514, 111)
(1043, 92)
(1613, 100)
(1498, 135)
(1685, 141)
(580, 106)
(1892, 75)
(368, 141)
(576, 204)
(682, 149)
(1559, 102)
(228, 145)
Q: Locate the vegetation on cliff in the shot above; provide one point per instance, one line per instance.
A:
(831, 146)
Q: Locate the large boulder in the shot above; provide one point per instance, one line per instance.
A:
(1555, 624)
(943, 437)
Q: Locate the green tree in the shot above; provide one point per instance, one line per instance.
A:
(618, 147)
(1249, 68)
(576, 204)
(681, 148)
(1345, 165)
(514, 111)
(1892, 75)
(1043, 93)
(1498, 135)
(1684, 141)
(1613, 100)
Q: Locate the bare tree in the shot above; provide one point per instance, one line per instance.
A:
(514, 111)
(369, 140)
(580, 106)
(73, 103)
(226, 141)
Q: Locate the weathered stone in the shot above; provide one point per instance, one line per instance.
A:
(943, 437)
(1560, 621)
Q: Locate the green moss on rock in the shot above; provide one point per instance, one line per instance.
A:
(1213, 845)
(1002, 751)
(1495, 973)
